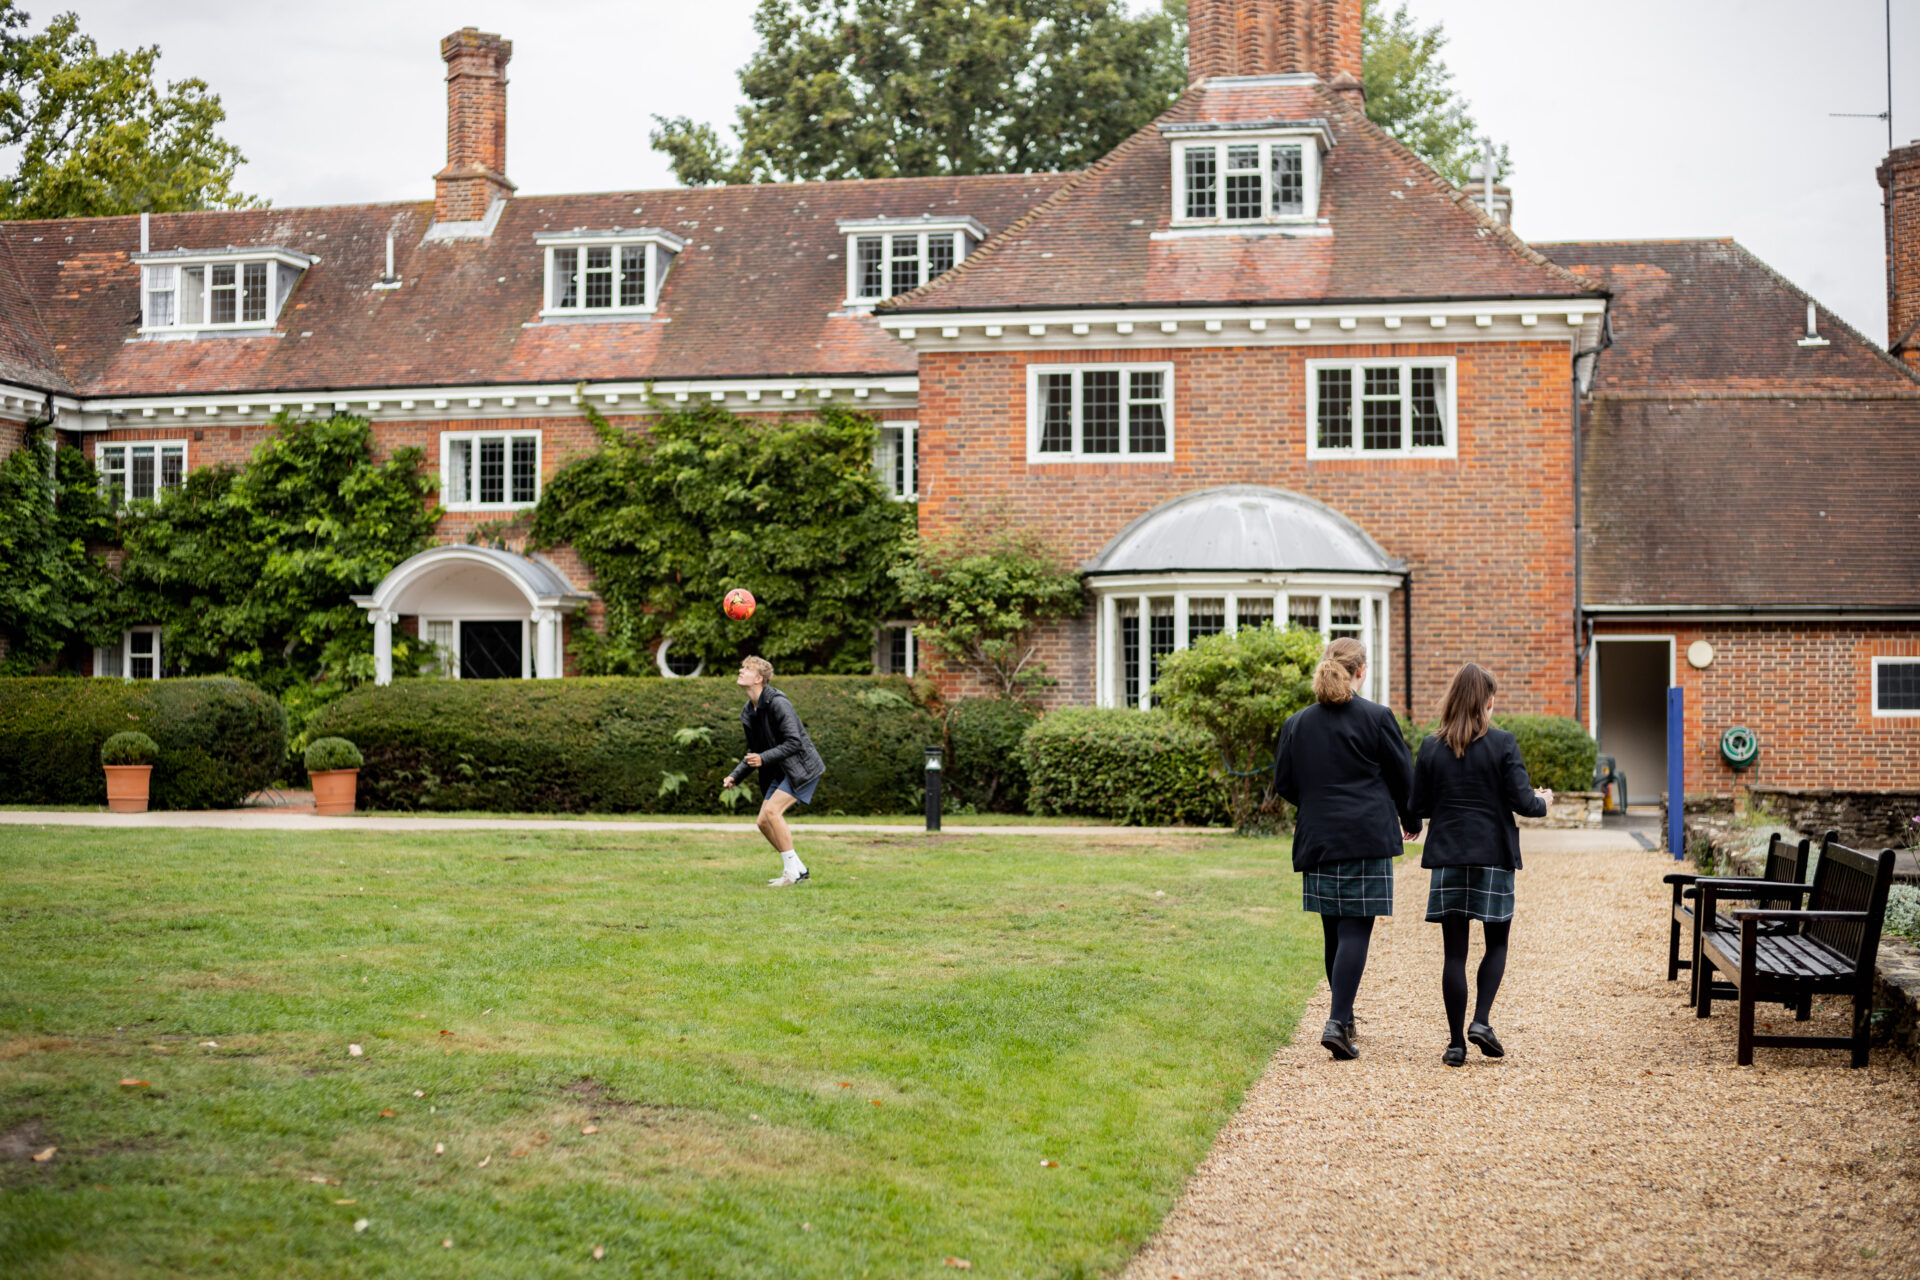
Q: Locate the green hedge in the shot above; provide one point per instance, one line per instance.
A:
(983, 754)
(1140, 767)
(220, 740)
(1558, 753)
(619, 745)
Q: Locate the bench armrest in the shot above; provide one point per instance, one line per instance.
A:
(1756, 913)
(1728, 887)
(1679, 877)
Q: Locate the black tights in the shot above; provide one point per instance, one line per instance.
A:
(1346, 939)
(1453, 977)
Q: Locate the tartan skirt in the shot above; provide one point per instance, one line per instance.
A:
(1478, 893)
(1361, 887)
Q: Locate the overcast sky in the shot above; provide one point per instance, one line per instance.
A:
(1634, 119)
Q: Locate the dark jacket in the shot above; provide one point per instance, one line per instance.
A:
(774, 731)
(1347, 768)
(1472, 799)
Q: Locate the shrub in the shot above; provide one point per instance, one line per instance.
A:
(223, 739)
(983, 753)
(1903, 911)
(129, 748)
(1136, 766)
(1558, 753)
(327, 754)
(618, 744)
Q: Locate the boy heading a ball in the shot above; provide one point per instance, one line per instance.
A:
(790, 767)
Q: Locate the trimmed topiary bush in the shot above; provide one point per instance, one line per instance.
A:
(327, 754)
(983, 753)
(1558, 753)
(1136, 766)
(619, 745)
(223, 739)
(128, 748)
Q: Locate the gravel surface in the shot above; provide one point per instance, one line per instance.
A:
(1616, 1139)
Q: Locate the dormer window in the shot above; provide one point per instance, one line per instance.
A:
(595, 273)
(1246, 176)
(187, 291)
(890, 256)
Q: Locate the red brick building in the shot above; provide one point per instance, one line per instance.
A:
(1260, 361)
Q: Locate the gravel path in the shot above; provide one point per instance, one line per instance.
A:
(1617, 1138)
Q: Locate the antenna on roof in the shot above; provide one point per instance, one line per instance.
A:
(1886, 115)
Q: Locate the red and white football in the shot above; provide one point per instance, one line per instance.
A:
(739, 604)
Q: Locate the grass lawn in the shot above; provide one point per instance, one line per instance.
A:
(1009, 1050)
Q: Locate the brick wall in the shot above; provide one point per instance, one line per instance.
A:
(12, 436)
(1805, 689)
(1488, 534)
(1899, 176)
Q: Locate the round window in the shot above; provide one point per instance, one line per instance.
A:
(676, 665)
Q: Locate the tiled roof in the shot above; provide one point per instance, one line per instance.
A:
(26, 357)
(757, 291)
(1725, 463)
(1399, 230)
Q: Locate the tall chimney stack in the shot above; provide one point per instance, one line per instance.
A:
(1899, 176)
(1273, 37)
(476, 172)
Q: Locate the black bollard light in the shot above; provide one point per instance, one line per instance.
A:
(933, 788)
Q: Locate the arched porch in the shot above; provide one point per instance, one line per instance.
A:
(498, 614)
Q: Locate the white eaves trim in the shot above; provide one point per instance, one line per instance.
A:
(1525, 319)
(468, 403)
(291, 257)
(618, 235)
(925, 222)
(23, 404)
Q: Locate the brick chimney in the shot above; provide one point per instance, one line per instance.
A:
(1270, 37)
(476, 172)
(1899, 176)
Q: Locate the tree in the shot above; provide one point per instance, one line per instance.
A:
(96, 134)
(1410, 93)
(1240, 689)
(54, 594)
(706, 501)
(248, 570)
(979, 598)
(910, 88)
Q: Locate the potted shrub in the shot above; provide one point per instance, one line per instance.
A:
(334, 765)
(128, 760)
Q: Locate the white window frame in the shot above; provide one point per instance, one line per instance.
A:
(473, 503)
(451, 670)
(1310, 143)
(1873, 688)
(966, 233)
(882, 643)
(661, 248)
(1406, 365)
(1375, 593)
(101, 448)
(908, 462)
(125, 651)
(660, 662)
(1036, 412)
(170, 267)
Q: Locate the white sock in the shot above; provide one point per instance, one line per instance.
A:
(790, 862)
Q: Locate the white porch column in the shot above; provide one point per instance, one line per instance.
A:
(546, 647)
(1233, 614)
(383, 645)
(1108, 693)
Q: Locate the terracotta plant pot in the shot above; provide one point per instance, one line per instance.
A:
(127, 787)
(333, 791)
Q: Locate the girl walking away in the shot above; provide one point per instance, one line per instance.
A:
(790, 768)
(1343, 763)
(1470, 782)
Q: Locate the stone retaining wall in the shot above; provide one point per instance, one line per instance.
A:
(1864, 819)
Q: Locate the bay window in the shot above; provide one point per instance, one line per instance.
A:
(1381, 408)
(481, 470)
(1099, 413)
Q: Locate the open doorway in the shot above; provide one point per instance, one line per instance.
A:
(1631, 675)
(493, 650)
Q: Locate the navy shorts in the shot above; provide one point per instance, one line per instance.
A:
(803, 794)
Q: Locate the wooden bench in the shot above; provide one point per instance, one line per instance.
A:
(1827, 949)
(1784, 862)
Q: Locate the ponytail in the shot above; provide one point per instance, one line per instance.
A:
(1333, 682)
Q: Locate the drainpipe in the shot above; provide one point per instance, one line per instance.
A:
(1406, 637)
(1582, 642)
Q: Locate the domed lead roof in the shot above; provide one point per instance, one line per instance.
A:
(1243, 528)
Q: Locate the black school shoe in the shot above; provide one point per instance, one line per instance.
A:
(1338, 1042)
(1455, 1056)
(1482, 1034)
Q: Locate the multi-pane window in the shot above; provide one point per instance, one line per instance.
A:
(232, 294)
(1363, 408)
(1896, 686)
(896, 654)
(1206, 617)
(134, 472)
(135, 657)
(1246, 181)
(1253, 611)
(1304, 611)
(889, 263)
(1099, 413)
(1344, 617)
(444, 635)
(605, 277)
(1160, 640)
(490, 469)
(896, 458)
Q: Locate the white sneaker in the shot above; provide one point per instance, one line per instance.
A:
(784, 882)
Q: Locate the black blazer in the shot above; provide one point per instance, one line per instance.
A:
(774, 731)
(1472, 799)
(1347, 768)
